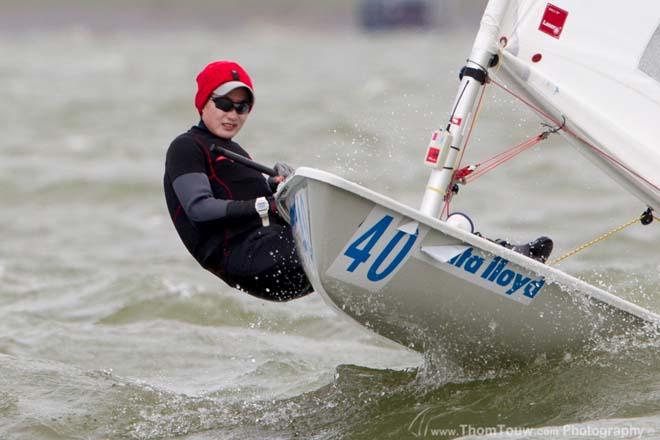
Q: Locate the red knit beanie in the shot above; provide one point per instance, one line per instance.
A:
(228, 74)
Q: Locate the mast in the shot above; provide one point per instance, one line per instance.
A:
(445, 149)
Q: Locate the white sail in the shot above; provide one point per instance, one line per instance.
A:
(595, 63)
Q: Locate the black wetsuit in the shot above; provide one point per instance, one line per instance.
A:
(211, 202)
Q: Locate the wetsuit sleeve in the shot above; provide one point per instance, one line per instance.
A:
(194, 192)
(186, 168)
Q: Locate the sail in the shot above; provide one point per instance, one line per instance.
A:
(594, 64)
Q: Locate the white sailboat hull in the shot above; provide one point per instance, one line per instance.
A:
(429, 286)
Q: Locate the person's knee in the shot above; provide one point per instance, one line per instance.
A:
(266, 266)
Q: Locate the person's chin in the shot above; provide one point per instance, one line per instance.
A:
(226, 134)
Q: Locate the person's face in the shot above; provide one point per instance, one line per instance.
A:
(226, 124)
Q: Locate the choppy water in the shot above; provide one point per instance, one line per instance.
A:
(109, 330)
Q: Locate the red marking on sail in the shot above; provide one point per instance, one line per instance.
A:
(553, 21)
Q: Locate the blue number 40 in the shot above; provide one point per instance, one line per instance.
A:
(358, 255)
(368, 240)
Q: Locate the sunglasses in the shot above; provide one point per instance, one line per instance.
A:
(226, 105)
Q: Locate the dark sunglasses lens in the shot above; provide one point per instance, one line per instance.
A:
(226, 104)
(242, 107)
(223, 104)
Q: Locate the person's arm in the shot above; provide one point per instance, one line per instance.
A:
(186, 168)
(196, 197)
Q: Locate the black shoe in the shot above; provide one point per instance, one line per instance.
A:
(539, 249)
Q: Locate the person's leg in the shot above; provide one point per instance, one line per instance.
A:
(276, 267)
(265, 264)
(539, 249)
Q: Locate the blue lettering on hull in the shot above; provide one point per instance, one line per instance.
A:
(497, 272)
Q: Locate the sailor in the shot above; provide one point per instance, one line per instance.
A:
(223, 210)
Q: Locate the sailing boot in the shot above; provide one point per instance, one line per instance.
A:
(539, 249)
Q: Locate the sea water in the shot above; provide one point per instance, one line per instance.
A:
(108, 329)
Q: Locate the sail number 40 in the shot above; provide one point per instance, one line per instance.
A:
(360, 250)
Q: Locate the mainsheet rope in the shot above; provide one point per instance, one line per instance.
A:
(597, 240)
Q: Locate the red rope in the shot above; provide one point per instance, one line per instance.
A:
(472, 124)
(445, 209)
(473, 172)
(576, 136)
(526, 102)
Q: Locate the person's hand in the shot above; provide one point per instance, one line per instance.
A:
(274, 181)
(283, 170)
